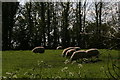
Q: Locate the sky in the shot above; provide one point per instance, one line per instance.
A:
(23, 1)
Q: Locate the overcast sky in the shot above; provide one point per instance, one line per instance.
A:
(23, 1)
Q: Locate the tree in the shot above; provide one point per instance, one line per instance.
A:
(55, 23)
(30, 23)
(65, 25)
(78, 24)
(43, 25)
(48, 23)
(9, 10)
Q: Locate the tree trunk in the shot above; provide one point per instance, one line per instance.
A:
(80, 25)
(48, 25)
(65, 32)
(43, 22)
(9, 10)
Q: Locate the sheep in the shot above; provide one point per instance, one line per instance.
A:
(77, 48)
(80, 54)
(38, 49)
(69, 53)
(59, 47)
(65, 50)
(92, 53)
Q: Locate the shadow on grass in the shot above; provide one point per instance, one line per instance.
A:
(91, 61)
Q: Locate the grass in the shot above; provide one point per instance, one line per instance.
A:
(0, 63)
(22, 64)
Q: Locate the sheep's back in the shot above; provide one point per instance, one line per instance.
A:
(65, 50)
(92, 52)
(59, 47)
(77, 48)
(70, 52)
(38, 50)
(78, 54)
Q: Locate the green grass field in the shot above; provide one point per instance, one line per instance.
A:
(26, 64)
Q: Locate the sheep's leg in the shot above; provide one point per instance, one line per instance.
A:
(91, 59)
(81, 60)
(78, 61)
(85, 60)
(97, 58)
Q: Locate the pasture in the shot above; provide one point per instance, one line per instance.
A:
(26, 64)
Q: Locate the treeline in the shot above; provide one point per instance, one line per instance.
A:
(52, 24)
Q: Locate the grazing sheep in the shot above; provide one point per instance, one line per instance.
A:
(78, 55)
(81, 54)
(77, 48)
(59, 47)
(38, 50)
(92, 53)
(65, 50)
(69, 53)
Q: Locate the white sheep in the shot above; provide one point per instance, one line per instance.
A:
(92, 53)
(59, 47)
(65, 50)
(38, 49)
(69, 53)
(77, 48)
(80, 54)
